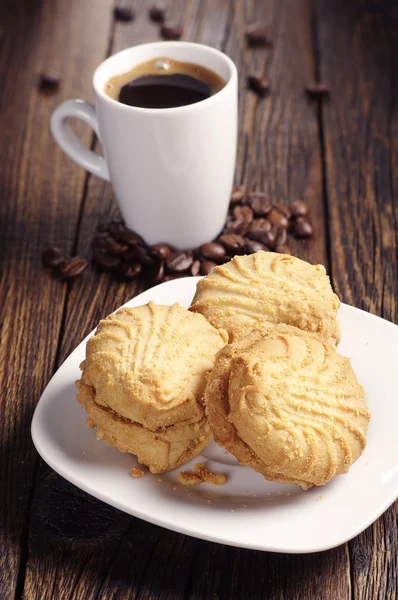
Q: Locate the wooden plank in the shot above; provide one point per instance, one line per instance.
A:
(40, 196)
(279, 150)
(358, 49)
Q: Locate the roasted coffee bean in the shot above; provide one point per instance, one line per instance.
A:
(171, 31)
(280, 235)
(156, 272)
(258, 34)
(104, 260)
(265, 236)
(49, 83)
(159, 251)
(258, 224)
(233, 242)
(126, 236)
(284, 210)
(259, 84)
(179, 261)
(123, 13)
(299, 208)
(73, 268)
(52, 257)
(140, 253)
(269, 239)
(157, 13)
(277, 218)
(283, 250)
(233, 226)
(243, 213)
(252, 246)
(130, 270)
(317, 90)
(207, 266)
(303, 228)
(114, 247)
(212, 251)
(261, 203)
(238, 193)
(195, 268)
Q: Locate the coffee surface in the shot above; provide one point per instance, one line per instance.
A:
(164, 83)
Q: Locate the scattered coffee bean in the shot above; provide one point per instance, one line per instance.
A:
(259, 84)
(317, 90)
(269, 239)
(159, 252)
(233, 242)
(303, 228)
(299, 208)
(238, 193)
(283, 250)
(126, 236)
(258, 225)
(141, 254)
(73, 268)
(277, 218)
(171, 31)
(261, 203)
(233, 226)
(280, 235)
(114, 247)
(243, 213)
(258, 34)
(157, 13)
(212, 251)
(49, 83)
(206, 267)
(195, 268)
(154, 273)
(52, 257)
(123, 13)
(104, 260)
(179, 261)
(253, 246)
(284, 210)
(130, 270)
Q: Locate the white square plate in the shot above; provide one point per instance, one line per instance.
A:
(248, 511)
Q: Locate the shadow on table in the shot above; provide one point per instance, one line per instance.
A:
(78, 542)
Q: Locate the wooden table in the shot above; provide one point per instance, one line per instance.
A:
(55, 541)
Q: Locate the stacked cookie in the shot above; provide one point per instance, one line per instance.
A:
(277, 396)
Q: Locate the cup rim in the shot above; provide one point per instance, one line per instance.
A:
(164, 45)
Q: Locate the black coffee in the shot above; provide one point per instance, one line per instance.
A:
(164, 83)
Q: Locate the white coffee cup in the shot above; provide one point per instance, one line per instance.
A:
(172, 169)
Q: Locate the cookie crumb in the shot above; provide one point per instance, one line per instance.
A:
(136, 472)
(319, 498)
(207, 476)
(188, 478)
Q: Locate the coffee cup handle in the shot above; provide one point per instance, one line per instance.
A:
(68, 140)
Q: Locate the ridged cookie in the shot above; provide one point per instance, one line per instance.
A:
(270, 289)
(287, 405)
(143, 380)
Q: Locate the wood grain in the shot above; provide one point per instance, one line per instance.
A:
(358, 47)
(339, 155)
(272, 146)
(40, 196)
